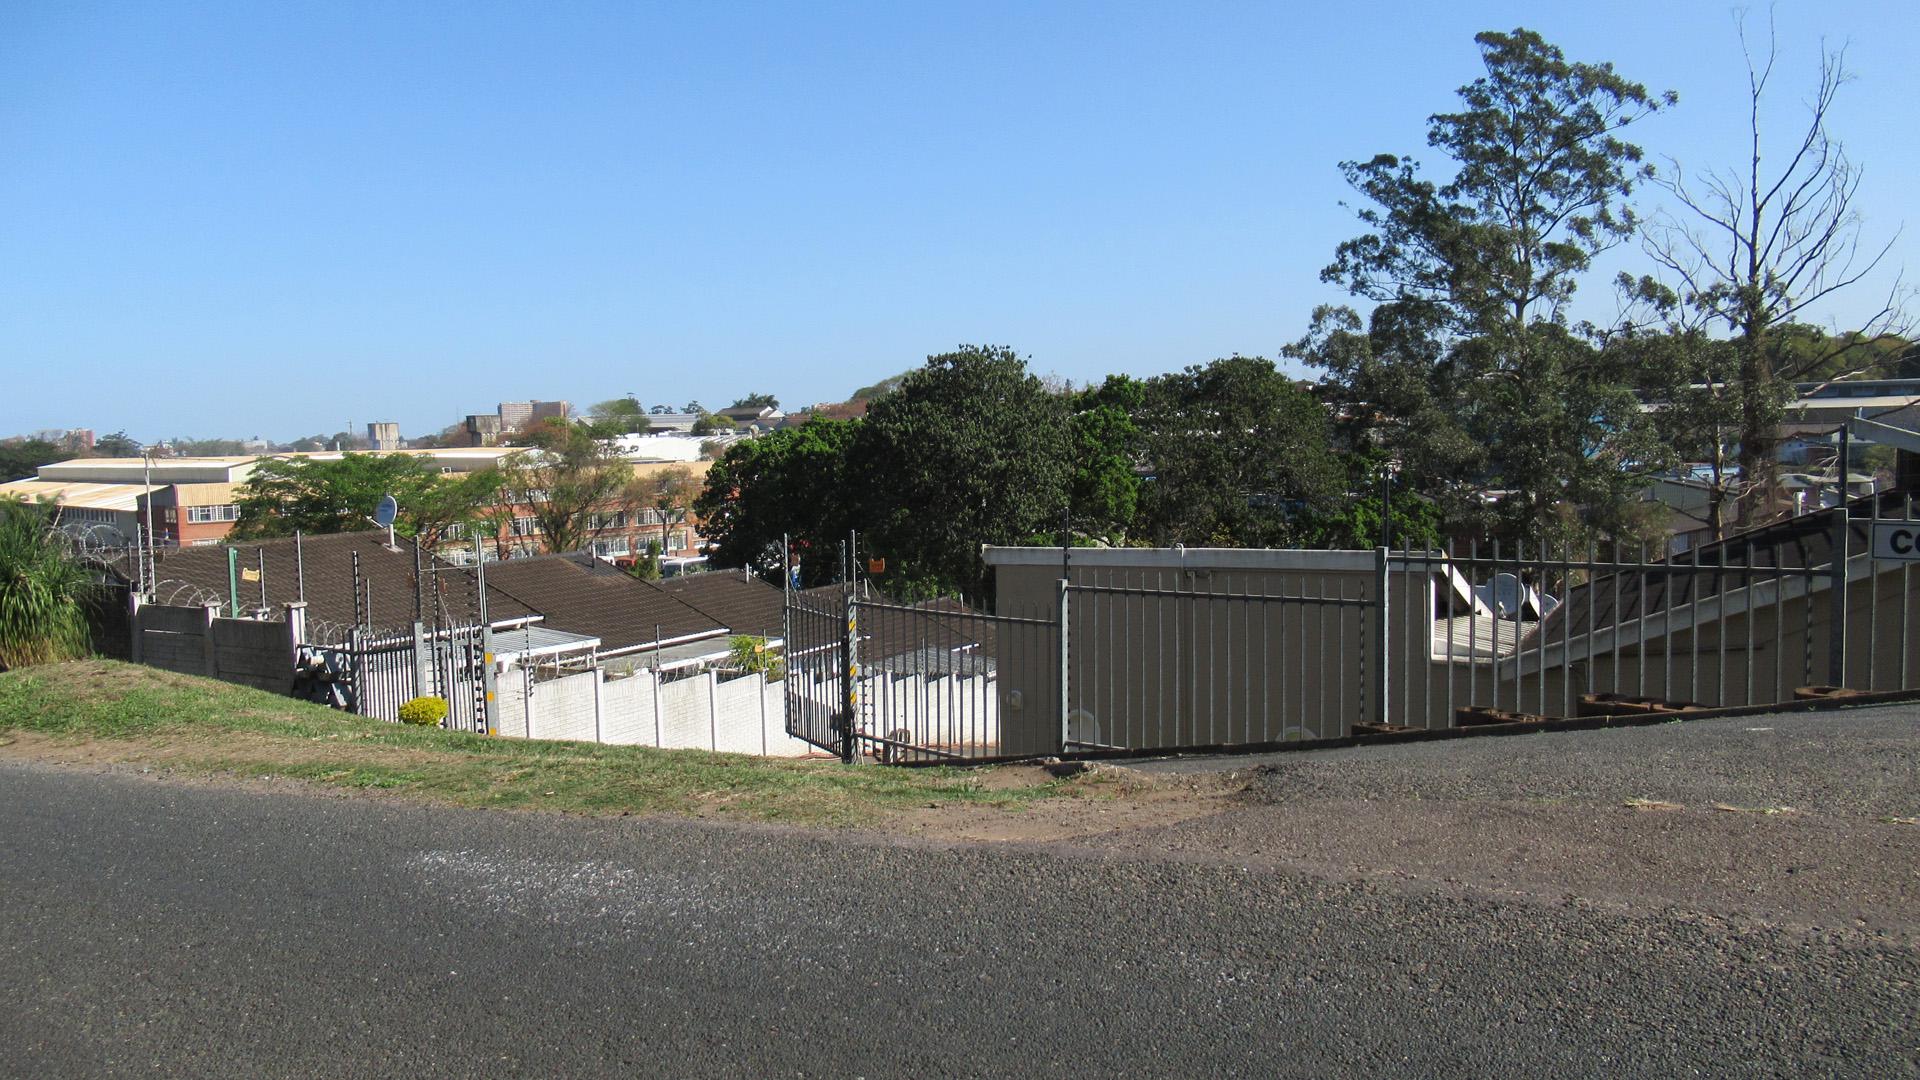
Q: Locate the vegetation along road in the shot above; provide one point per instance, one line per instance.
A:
(1472, 922)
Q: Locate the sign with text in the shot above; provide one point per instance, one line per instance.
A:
(1897, 540)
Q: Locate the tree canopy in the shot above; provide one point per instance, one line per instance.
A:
(1475, 273)
(565, 478)
(117, 444)
(1237, 454)
(318, 495)
(19, 460)
(618, 416)
(970, 450)
(797, 483)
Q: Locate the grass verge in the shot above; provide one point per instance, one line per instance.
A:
(125, 712)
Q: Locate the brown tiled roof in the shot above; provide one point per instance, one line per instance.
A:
(580, 594)
(193, 575)
(939, 636)
(742, 603)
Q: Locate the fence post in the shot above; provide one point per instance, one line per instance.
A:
(212, 611)
(597, 676)
(297, 622)
(421, 684)
(850, 679)
(1066, 669)
(654, 679)
(1837, 603)
(713, 709)
(1382, 589)
(489, 684)
(136, 649)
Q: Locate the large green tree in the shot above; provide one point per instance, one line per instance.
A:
(19, 460)
(794, 483)
(970, 450)
(320, 495)
(1108, 452)
(1238, 454)
(1394, 393)
(1489, 258)
(116, 445)
(618, 416)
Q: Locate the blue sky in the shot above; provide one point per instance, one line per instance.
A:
(274, 218)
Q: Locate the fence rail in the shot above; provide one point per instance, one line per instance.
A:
(1097, 654)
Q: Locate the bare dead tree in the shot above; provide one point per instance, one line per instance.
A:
(1755, 249)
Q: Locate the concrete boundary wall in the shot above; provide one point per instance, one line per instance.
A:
(197, 641)
(740, 716)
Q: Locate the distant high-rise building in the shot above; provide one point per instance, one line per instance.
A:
(383, 435)
(521, 415)
(515, 415)
(484, 428)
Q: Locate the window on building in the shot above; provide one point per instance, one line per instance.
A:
(613, 547)
(85, 515)
(204, 514)
(523, 526)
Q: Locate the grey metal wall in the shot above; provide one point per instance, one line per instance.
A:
(1194, 647)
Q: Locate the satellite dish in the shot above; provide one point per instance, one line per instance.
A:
(388, 509)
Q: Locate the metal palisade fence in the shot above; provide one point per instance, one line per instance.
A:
(1117, 651)
(1813, 606)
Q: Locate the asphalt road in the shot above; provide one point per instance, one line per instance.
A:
(154, 928)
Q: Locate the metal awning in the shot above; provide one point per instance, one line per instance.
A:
(539, 643)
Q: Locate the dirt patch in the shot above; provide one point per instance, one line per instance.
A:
(1104, 800)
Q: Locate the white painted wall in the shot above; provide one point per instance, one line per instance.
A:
(741, 716)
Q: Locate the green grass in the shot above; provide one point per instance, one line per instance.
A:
(198, 726)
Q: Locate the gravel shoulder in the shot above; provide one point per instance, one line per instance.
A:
(1811, 820)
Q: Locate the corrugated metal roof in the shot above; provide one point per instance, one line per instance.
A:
(528, 642)
(82, 495)
(206, 494)
(1848, 404)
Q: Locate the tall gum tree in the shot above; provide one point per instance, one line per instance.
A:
(1490, 258)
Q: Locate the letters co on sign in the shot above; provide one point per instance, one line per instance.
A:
(1897, 540)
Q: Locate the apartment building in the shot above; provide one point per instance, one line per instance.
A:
(521, 415)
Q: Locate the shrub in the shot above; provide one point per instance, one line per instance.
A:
(424, 711)
(43, 590)
(750, 654)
